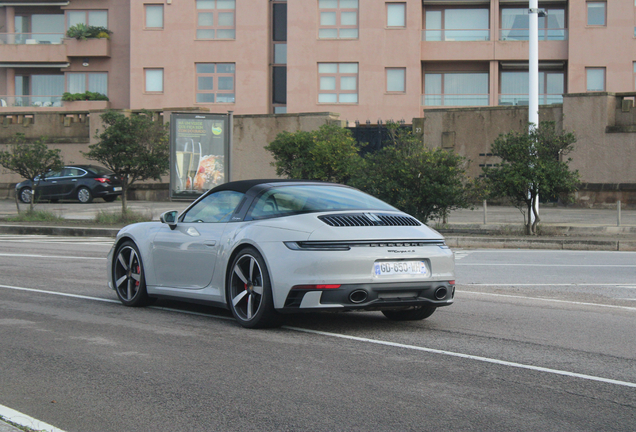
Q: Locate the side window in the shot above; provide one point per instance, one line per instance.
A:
(276, 203)
(72, 172)
(214, 208)
(52, 174)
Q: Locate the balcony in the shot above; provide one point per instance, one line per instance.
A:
(455, 100)
(523, 99)
(458, 35)
(48, 48)
(29, 103)
(519, 34)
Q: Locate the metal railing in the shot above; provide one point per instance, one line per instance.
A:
(31, 38)
(518, 34)
(455, 100)
(523, 99)
(30, 101)
(455, 35)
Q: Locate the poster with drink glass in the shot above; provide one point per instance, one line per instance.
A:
(199, 156)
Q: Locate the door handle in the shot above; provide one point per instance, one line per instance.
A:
(210, 243)
(74, 180)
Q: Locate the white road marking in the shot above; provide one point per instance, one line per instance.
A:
(614, 285)
(24, 420)
(51, 256)
(395, 344)
(469, 357)
(39, 291)
(548, 300)
(543, 265)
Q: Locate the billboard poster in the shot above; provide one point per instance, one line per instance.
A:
(199, 153)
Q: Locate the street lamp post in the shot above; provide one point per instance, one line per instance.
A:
(533, 87)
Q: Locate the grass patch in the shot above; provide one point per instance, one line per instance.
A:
(116, 218)
(35, 216)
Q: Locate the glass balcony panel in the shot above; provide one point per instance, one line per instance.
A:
(523, 99)
(466, 35)
(31, 101)
(456, 99)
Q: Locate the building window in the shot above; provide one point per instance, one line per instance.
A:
(96, 82)
(338, 19)
(634, 80)
(96, 18)
(338, 83)
(596, 13)
(215, 82)
(216, 19)
(396, 80)
(515, 24)
(457, 25)
(154, 80)
(396, 15)
(40, 28)
(514, 87)
(595, 79)
(456, 89)
(38, 90)
(154, 16)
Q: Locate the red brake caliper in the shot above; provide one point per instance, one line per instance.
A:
(139, 273)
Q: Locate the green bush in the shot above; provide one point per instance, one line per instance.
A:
(82, 32)
(89, 96)
(422, 182)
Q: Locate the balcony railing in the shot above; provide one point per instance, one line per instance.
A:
(457, 35)
(30, 101)
(523, 99)
(455, 100)
(31, 38)
(518, 34)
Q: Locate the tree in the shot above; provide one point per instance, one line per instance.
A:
(135, 148)
(532, 163)
(32, 160)
(424, 183)
(328, 154)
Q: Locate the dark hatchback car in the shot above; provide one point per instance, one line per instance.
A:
(73, 182)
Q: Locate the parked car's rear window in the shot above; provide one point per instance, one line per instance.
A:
(288, 200)
(100, 170)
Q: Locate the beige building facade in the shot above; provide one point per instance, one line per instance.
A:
(364, 59)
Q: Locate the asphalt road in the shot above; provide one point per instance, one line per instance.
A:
(537, 340)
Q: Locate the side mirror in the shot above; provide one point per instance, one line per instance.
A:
(170, 218)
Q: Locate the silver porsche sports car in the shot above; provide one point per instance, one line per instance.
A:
(264, 248)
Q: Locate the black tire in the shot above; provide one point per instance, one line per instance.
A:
(128, 276)
(110, 198)
(25, 195)
(249, 291)
(84, 195)
(413, 314)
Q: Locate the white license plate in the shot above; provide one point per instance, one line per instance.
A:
(117, 189)
(385, 268)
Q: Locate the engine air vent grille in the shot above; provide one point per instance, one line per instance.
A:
(368, 220)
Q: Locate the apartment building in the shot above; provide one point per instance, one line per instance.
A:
(364, 59)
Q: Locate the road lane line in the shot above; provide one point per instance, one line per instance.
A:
(615, 285)
(464, 264)
(51, 256)
(468, 356)
(386, 343)
(548, 300)
(39, 291)
(17, 417)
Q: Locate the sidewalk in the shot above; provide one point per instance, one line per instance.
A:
(500, 227)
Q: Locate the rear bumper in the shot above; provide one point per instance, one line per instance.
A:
(370, 297)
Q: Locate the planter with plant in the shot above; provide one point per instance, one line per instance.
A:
(82, 32)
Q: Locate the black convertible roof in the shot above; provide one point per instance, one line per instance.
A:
(244, 185)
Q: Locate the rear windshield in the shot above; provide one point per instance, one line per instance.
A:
(100, 171)
(288, 200)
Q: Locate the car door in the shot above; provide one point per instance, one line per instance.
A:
(47, 187)
(67, 182)
(185, 257)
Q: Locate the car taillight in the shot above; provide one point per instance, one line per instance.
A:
(316, 287)
(102, 180)
(451, 282)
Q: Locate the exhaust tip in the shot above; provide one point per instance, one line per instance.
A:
(358, 296)
(440, 293)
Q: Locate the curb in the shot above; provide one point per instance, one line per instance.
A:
(463, 241)
(540, 243)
